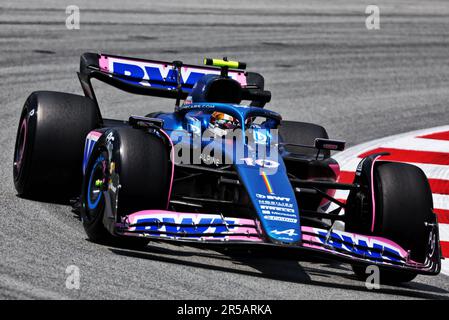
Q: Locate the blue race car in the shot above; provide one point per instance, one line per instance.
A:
(219, 170)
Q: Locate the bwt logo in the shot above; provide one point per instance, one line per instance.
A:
(166, 76)
(203, 225)
(359, 247)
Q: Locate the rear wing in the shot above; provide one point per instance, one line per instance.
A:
(159, 78)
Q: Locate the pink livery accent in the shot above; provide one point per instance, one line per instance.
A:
(241, 78)
(237, 229)
(172, 157)
(94, 135)
(373, 200)
(23, 133)
(336, 169)
(91, 138)
(103, 62)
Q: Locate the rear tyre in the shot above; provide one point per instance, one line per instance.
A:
(49, 146)
(302, 133)
(403, 206)
(136, 164)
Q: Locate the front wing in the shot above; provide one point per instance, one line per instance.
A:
(216, 229)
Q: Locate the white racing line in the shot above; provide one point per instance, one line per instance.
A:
(427, 149)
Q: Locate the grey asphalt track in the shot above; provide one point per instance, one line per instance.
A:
(321, 64)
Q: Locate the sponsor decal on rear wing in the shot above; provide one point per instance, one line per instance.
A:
(159, 74)
(159, 78)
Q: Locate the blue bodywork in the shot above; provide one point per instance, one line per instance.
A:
(277, 210)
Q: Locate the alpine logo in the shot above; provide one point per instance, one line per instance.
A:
(289, 232)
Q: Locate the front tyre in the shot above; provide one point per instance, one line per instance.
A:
(128, 171)
(403, 211)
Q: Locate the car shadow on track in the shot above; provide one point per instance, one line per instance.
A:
(281, 269)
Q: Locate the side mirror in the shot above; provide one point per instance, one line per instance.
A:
(145, 122)
(328, 144)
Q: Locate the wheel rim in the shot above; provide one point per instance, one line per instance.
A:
(97, 181)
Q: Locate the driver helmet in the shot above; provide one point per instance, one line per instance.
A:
(223, 120)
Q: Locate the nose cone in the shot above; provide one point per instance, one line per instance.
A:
(273, 198)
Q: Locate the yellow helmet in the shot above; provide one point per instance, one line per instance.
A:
(223, 120)
(221, 116)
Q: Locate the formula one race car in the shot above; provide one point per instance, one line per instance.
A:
(219, 171)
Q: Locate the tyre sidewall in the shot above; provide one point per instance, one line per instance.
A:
(57, 125)
(27, 122)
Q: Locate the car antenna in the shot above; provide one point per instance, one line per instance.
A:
(224, 69)
(177, 65)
